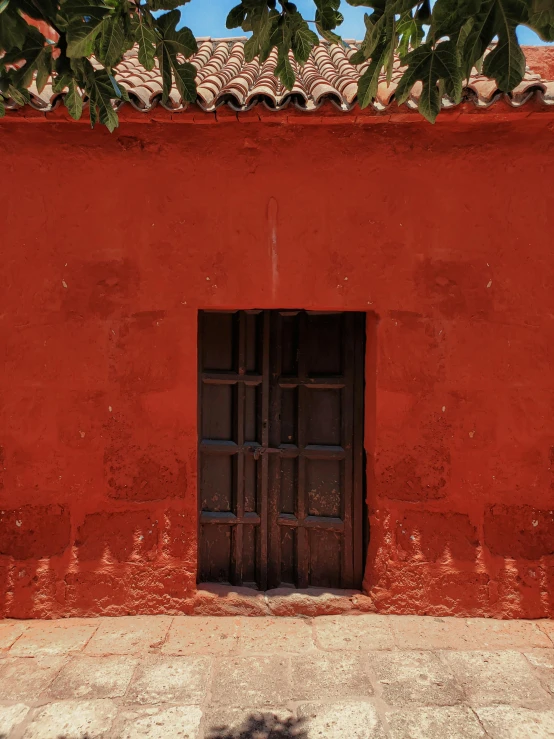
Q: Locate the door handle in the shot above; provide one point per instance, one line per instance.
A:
(259, 450)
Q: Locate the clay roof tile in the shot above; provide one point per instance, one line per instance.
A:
(224, 76)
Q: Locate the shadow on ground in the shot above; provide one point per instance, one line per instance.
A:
(261, 726)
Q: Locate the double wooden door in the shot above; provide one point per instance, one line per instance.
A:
(281, 448)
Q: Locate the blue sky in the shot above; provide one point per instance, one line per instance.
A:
(207, 18)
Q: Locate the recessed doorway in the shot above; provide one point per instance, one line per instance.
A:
(281, 448)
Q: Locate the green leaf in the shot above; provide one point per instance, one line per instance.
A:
(541, 18)
(165, 4)
(303, 41)
(172, 42)
(13, 29)
(19, 96)
(276, 34)
(284, 70)
(100, 93)
(185, 76)
(236, 16)
(260, 22)
(112, 42)
(391, 35)
(93, 115)
(76, 11)
(369, 81)
(168, 21)
(327, 14)
(423, 13)
(34, 53)
(146, 40)
(358, 57)
(449, 15)
(2, 107)
(491, 19)
(180, 41)
(81, 38)
(411, 34)
(3, 5)
(45, 10)
(375, 26)
(251, 49)
(164, 64)
(73, 101)
(332, 38)
(44, 68)
(545, 32)
(478, 37)
(464, 32)
(506, 62)
(431, 65)
(280, 33)
(367, 84)
(61, 83)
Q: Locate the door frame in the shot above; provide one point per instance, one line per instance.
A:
(360, 532)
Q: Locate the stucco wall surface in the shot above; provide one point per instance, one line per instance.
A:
(111, 244)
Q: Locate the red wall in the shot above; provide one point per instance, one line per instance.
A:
(110, 245)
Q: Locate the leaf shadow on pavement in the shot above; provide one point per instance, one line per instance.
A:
(261, 726)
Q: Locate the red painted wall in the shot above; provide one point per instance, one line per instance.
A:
(111, 244)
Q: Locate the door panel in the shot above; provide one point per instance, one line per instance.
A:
(281, 448)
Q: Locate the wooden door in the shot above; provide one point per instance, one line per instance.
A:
(281, 448)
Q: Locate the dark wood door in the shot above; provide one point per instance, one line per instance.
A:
(281, 448)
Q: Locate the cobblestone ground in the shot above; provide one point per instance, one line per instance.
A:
(343, 677)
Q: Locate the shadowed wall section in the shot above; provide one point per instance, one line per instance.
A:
(111, 245)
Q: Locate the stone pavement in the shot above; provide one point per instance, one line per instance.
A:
(331, 677)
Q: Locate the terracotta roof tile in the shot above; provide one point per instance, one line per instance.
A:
(224, 77)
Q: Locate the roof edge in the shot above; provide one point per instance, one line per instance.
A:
(501, 111)
(326, 87)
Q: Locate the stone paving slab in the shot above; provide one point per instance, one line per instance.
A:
(54, 637)
(361, 676)
(330, 676)
(10, 631)
(489, 678)
(252, 681)
(415, 678)
(358, 720)
(72, 720)
(506, 722)
(129, 635)
(426, 632)
(170, 680)
(159, 722)
(285, 634)
(345, 633)
(543, 662)
(11, 717)
(547, 627)
(88, 677)
(235, 723)
(23, 678)
(445, 722)
(202, 635)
